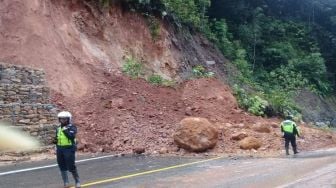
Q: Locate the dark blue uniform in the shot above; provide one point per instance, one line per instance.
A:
(290, 131)
(65, 151)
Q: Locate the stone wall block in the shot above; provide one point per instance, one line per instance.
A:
(25, 101)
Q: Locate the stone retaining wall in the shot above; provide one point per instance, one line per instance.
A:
(45, 133)
(11, 93)
(13, 74)
(25, 101)
(28, 114)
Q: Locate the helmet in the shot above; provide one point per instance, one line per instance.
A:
(289, 117)
(64, 114)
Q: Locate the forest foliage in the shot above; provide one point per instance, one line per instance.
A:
(279, 47)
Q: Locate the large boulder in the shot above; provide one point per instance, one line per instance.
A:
(250, 143)
(261, 128)
(196, 134)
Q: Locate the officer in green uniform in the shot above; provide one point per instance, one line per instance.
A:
(290, 130)
(66, 148)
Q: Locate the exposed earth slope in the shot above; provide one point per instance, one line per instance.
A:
(82, 51)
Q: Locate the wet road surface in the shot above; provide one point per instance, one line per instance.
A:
(307, 169)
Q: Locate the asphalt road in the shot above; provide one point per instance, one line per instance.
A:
(314, 169)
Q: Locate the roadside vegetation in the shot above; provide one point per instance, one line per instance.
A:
(279, 48)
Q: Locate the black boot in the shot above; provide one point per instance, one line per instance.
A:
(295, 150)
(76, 177)
(287, 150)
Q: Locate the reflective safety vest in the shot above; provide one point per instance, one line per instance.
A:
(62, 140)
(288, 126)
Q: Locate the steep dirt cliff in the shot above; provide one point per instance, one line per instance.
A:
(82, 50)
(72, 39)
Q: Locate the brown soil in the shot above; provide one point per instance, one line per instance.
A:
(123, 114)
(82, 51)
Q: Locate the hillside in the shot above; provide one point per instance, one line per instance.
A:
(82, 51)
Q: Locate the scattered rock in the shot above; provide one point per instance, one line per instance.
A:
(80, 146)
(43, 121)
(278, 134)
(329, 137)
(34, 133)
(261, 128)
(107, 104)
(239, 136)
(175, 149)
(250, 143)
(118, 103)
(210, 62)
(274, 125)
(188, 111)
(25, 121)
(240, 126)
(163, 150)
(139, 150)
(196, 134)
(333, 139)
(321, 124)
(228, 125)
(88, 112)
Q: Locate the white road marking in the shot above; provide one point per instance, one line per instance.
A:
(50, 166)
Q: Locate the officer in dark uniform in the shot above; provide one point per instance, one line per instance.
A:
(66, 147)
(290, 131)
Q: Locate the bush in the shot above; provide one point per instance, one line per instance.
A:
(279, 53)
(132, 67)
(218, 33)
(257, 105)
(273, 103)
(241, 63)
(156, 79)
(313, 68)
(253, 104)
(104, 3)
(154, 26)
(199, 71)
(287, 78)
(282, 104)
(242, 98)
(169, 83)
(188, 11)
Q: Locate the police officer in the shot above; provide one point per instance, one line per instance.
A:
(290, 130)
(66, 147)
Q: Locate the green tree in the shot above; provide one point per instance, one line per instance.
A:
(188, 11)
(313, 68)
